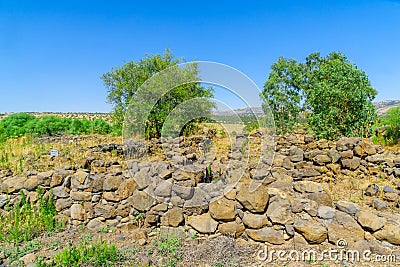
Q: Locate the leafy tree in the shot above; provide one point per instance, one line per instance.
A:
(331, 92)
(80, 126)
(123, 83)
(101, 127)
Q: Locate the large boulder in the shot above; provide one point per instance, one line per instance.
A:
(222, 209)
(172, 217)
(266, 234)
(343, 226)
(232, 228)
(369, 220)
(314, 233)
(253, 200)
(255, 221)
(203, 223)
(141, 200)
(390, 233)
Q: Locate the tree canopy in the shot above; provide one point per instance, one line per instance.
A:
(330, 93)
(124, 82)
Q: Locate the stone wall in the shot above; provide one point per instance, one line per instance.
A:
(272, 204)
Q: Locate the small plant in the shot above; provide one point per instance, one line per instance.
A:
(169, 246)
(97, 254)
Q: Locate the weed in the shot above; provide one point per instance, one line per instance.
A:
(97, 254)
(169, 246)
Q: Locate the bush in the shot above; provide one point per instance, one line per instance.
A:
(20, 124)
(14, 125)
(391, 126)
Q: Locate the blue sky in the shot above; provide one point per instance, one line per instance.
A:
(52, 53)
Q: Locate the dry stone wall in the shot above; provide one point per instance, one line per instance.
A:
(290, 200)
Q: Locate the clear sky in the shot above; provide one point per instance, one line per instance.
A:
(52, 53)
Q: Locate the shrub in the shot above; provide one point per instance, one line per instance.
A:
(391, 123)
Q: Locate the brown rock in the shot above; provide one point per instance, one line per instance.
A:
(126, 188)
(364, 148)
(232, 228)
(95, 224)
(63, 203)
(322, 198)
(112, 182)
(370, 221)
(203, 223)
(314, 233)
(254, 201)
(390, 233)
(222, 209)
(172, 217)
(111, 196)
(351, 164)
(279, 210)
(31, 183)
(266, 234)
(255, 221)
(343, 226)
(307, 187)
(81, 196)
(322, 159)
(348, 154)
(105, 211)
(77, 212)
(14, 184)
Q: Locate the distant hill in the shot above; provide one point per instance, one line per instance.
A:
(382, 107)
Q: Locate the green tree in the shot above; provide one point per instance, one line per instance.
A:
(331, 92)
(123, 82)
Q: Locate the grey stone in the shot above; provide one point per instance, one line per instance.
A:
(183, 192)
(141, 200)
(203, 223)
(163, 189)
(3, 201)
(347, 207)
(60, 191)
(389, 189)
(325, 212)
(378, 204)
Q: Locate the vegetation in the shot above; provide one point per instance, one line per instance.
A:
(21, 124)
(388, 131)
(329, 93)
(25, 221)
(96, 254)
(123, 85)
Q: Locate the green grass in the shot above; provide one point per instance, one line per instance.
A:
(25, 221)
(97, 254)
